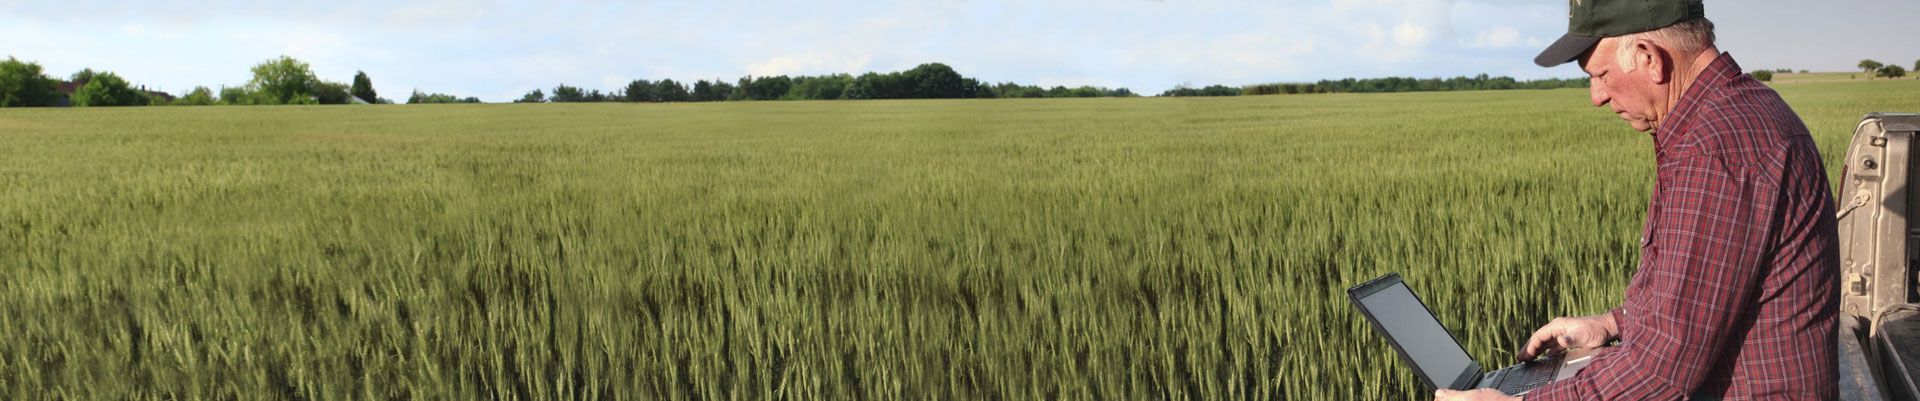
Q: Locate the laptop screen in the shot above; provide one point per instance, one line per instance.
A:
(1419, 334)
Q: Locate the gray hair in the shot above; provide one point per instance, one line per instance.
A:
(1687, 37)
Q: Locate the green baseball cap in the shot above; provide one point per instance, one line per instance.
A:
(1590, 20)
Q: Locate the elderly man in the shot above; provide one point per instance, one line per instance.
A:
(1735, 297)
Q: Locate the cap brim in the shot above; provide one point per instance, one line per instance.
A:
(1567, 49)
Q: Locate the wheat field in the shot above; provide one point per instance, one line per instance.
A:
(1077, 249)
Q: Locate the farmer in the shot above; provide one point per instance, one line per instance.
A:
(1735, 297)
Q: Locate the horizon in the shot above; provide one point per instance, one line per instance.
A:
(499, 50)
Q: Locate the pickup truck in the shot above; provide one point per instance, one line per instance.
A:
(1879, 260)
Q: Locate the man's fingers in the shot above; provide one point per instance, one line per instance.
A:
(1541, 341)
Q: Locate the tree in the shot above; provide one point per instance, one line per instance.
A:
(668, 91)
(283, 80)
(437, 98)
(199, 96)
(640, 90)
(363, 88)
(238, 96)
(872, 85)
(533, 97)
(825, 87)
(22, 84)
(1763, 75)
(1870, 67)
(1916, 65)
(564, 94)
(766, 88)
(723, 91)
(83, 76)
(703, 91)
(105, 89)
(935, 81)
(331, 93)
(1891, 71)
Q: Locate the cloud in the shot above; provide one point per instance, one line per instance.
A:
(1411, 35)
(812, 64)
(1498, 37)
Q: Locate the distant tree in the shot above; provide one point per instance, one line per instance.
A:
(1916, 65)
(363, 88)
(1870, 67)
(1211, 90)
(199, 96)
(331, 93)
(437, 98)
(533, 97)
(723, 91)
(1009, 90)
(640, 90)
(871, 86)
(823, 87)
(703, 92)
(936, 81)
(105, 89)
(238, 96)
(1891, 71)
(669, 91)
(568, 94)
(283, 80)
(767, 88)
(83, 76)
(1763, 75)
(22, 84)
(739, 91)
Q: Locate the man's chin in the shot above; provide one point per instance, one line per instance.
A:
(1640, 125)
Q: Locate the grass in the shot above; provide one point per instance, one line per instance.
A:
(992, 249)
(1831, 77)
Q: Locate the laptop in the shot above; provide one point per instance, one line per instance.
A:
(1399, 316)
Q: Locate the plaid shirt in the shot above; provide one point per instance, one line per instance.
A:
(1736, 296)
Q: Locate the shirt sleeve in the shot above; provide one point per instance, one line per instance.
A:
(1709, 241)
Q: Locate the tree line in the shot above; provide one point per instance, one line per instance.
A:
(282, 80)
(1889, 71)
(285, 80)
(926, 81)
(1380, 85)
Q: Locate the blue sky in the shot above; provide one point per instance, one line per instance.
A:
(497, 50)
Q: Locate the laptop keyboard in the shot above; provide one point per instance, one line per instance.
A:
(1522, 378)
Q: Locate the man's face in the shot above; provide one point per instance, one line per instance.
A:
(1631, 95)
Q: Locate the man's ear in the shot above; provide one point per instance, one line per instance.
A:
(1653, 60)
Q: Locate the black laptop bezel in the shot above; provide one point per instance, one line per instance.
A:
(1467, 378)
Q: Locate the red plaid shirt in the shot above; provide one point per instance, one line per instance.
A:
(1737, 291)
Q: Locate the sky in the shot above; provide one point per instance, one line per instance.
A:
(498, 50)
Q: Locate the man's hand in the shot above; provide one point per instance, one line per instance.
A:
(1570, 333)
(1485, 394)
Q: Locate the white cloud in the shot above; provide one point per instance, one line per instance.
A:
(1498, 37)
(811, 64)
(1409, 35)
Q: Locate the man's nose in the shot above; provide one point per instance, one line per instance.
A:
(1598, 95)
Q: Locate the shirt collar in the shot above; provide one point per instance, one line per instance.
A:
(1719, 73)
